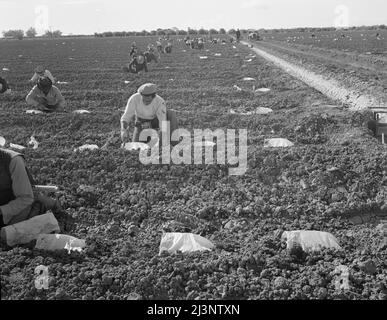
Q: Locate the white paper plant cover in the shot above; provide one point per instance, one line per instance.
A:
(184, 242)
(28, 230)
(203, 57)
(46, 188)
(33, 142)
(5, 69)
(16, 146)
(342, 278)
(62, 82)
(217, 54)
(87, 147)
(2, 141)
(248, 79)
(53, 242)
(310, 240)
(81, 111)
(237, 88)
(234, 47)
(262, 90)
(34, 111)
(277, 142)
(135, 146)
(263, 110)
(127, 82)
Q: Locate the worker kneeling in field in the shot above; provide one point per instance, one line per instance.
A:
(148, 110)
(46, 97)
(41, 72)
(137, 64)
(150, 56)
(18, 199)
(4, 88)
(168, 48)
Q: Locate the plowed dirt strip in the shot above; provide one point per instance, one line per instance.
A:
(330, 87)
(122, 207)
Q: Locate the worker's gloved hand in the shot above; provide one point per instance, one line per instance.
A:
(124, 136)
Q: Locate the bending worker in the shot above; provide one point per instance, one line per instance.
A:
(18, 202)
(148, 110)
(41, 72)
(45, 97)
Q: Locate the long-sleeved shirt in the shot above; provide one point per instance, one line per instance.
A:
(46, 73)
(53, 98)
(22, 190)
(136, 107)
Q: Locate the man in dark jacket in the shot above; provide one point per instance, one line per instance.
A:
(18, 199)
(4, 88)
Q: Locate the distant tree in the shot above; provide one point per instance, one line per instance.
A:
(108, 34)
(382, 26)
(57, 33)
(202, 31)
(182, 33)
(161, 32)
(214, 31)
(192, 31)
(231, 31)
(153, 33)
(222, 31)
(31, 33)
(16, 34)
(53, 34)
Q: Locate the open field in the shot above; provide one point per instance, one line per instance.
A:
(128, 205)
(357, 41)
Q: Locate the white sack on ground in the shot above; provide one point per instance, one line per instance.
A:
(184, 242)
(263, 90)
(135, 146)
(87, 147)
(81, 111)
(34, 111)
(310, 240)
(53, 242)
(2, 141)
(28, 230)
(277, 142)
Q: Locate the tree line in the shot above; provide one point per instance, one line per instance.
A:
(30, 33)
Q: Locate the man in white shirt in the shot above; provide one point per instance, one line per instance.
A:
(40, 72)
(149, 111)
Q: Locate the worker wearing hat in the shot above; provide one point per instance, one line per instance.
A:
(40, 72)
(45, 97)
(137, 64)
(149, 111)
(19, 199)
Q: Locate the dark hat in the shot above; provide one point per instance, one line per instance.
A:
(44, 83)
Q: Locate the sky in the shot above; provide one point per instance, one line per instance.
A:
(89, 16)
